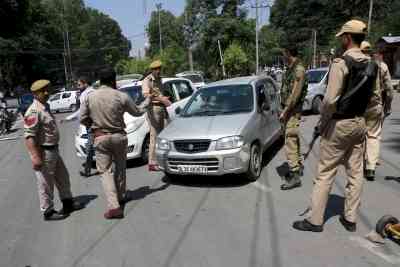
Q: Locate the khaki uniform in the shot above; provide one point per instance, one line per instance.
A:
(375, 114)
(342, 143)
(40, 125)
(103, 112)
(291, 94)
(157, 115)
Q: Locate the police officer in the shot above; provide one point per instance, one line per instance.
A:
(157, 114)
(85, 90)
(377, 110)
(103, 112)
(41, 139)
(294, 89)
(343, 129)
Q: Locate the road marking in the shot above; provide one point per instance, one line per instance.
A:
(10, 138)
(262, 187)
(373, 248)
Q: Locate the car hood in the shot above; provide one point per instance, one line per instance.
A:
(205, 127)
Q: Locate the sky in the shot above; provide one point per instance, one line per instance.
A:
(134, 15)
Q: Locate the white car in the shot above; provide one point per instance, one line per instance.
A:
(196, 77)
(317, 84)
(64, 101)
(137, 128)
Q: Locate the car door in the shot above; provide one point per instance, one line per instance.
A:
(54, 102)
(65, 100)
(183, 90)
(274, 99)
(264, 129)
(168, 90)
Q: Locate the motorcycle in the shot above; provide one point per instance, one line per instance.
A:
(7, 120)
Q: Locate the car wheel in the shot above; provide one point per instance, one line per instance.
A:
(255, 164)
(73, 107)
(383, 223)
(145, 149)
(316, 105)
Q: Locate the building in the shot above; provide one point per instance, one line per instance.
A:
(390, 45)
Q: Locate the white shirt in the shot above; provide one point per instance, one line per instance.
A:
(82, 99)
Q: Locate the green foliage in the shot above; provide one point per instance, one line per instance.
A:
(236, 61)
(133, 65)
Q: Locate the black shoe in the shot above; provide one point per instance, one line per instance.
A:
(52, 215)
(293, 181)
(70, 205)
(350, 226)
(301, 170)
(305, 225)
(370, 175)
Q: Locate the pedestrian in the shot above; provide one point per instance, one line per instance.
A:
(377, 110)
(293, 92)
(85, 90)
(343, 128)
(103, 112)
(157, 115)
(41, 139)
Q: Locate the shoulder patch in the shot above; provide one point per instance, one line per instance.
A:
(31, 120)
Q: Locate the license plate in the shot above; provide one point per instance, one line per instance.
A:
(192, 169)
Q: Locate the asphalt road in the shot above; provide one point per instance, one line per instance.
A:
(211, 222)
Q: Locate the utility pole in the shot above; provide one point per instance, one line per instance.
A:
(159, 6)
(222, 59)
(371, 8)
(315, 49)
(257, 6)
(67, 48)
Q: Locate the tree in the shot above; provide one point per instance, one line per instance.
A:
(132, 65)
(236, 61)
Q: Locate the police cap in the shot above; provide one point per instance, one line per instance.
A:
(353, 26)
(39, 85)
(155, 64)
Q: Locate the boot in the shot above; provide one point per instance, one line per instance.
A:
(114, 214)
(293, 181)
(52, 215)
(70, 205)
(349, 226)
(301, 170)
(307, 226)
(370, 175)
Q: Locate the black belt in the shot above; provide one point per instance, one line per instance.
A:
(343, 116)
(49, 147)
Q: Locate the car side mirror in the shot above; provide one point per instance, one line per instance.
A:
(178, 110)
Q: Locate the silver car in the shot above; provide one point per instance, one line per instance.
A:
(317, 83)
(224, 128)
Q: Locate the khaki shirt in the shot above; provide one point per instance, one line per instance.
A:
(152, 86)
(41, 125)
(337, 76)
(104, 110)
(299, 79)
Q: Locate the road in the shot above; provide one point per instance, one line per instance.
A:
(194, 222)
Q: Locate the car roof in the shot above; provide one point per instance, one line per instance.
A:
(236, 81)
(164, 80)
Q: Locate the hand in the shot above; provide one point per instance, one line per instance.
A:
(37, 163)
(165, 100)
(283, 117)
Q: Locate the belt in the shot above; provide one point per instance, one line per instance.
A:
(98, 133)
(49, 147)
(343, 116)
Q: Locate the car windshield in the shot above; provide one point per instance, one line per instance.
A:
(218, 100)
(135, 92)
(316, 76)
(194, 78)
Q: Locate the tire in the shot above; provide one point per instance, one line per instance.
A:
(383, 223)
(316, 105)
(145, 150)
(255, 164)
(73, 107)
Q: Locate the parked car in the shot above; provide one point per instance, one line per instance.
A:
(317, 83)
(64, 101)
(137, 128)
(24, 102)
(195, 76)
(224, 128)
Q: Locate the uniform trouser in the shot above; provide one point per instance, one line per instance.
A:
(374, 121)
(112, 149)
(292, 142)
(53, 172)
(157, 119)
(343, 143)
(89, 149)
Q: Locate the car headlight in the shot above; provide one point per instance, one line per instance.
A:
(230, 142)
(134, 125)
(163, 144)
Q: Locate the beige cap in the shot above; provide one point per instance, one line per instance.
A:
(40, 84)
(365, 46)
(155, 64)
(353, 26)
